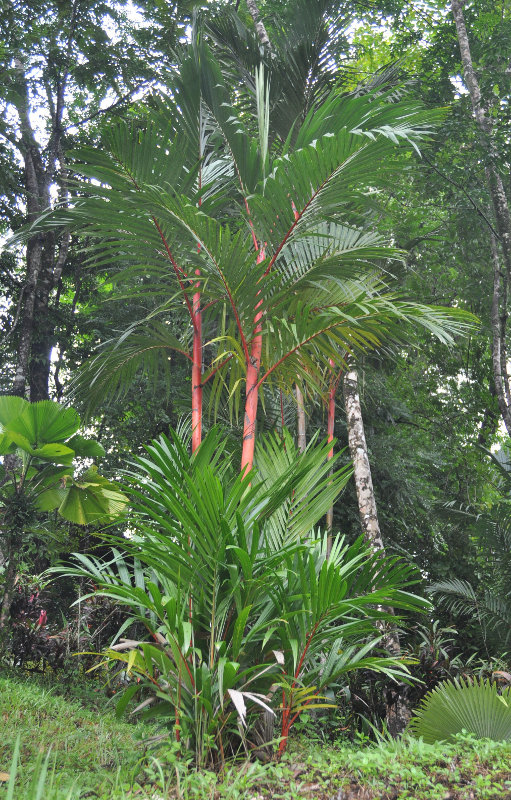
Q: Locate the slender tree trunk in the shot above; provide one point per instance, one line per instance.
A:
(42, 334)
(330, 438)
(258, 24)
(362, 470)
(502, 219)
(264, 728)
(491, 418)
(300, 421)
(197, 357)
(251, 397)
(398, 711)
(9, 579)
(33, 172)
(251, 386)
(34, 252)
(43, 267)
(197, 372)
(498, 325)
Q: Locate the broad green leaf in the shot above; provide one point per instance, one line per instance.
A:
(10, 408)
(7, 444)
(86, 448)
(45, 422)
(59, 453)
(84, 506)
(51, 499)
(474, 706)
(20, 441)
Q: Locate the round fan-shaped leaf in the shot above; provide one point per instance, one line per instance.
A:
(455, 706)
(6, 444)
(45, 422)
(86, 448)
(10, 408)
(56, 452)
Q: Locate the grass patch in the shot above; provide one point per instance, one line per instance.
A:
(88, 749)
(95, 756)
(408, 769)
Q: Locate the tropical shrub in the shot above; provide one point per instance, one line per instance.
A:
(243, 608)
(485, 601)
(39, 474)
(475, 706)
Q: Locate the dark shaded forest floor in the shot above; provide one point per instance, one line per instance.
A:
(93, 755)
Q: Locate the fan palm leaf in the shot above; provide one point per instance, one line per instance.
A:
(455, 706)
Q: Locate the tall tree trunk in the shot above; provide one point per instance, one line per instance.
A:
(42, 335)
(8, 592)
(491, 419)
(34, 254)
(330, 438)
(498, 326)
(251, 385)
(197, 372)
(502, 219)
(300, 421)
(398, 712)
(197, 356)
(44, 268)
(264, 728)
(362, 470)
(258, 24)
(33, 178)
(251, 397)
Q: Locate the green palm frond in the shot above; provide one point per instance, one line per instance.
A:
(475, 707)
(313, 494)
(492, 610)
(145, 347)
(332, 251)
(457, 595)
(242, 146)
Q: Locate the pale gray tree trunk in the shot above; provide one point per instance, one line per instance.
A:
(301, 423)
(501, 271)
(258, 23)
(398, 712)
(368, 512)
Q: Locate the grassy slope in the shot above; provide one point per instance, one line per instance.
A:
(85, 744)
(103, 758)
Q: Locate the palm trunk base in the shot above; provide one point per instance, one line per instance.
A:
(398, 709)
(262, 736)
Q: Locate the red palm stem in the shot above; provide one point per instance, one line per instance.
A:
(252, 386)
(197, 369)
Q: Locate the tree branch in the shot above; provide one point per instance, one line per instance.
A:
(100, 111)
(464, 191)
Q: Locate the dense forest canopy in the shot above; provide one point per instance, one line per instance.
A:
(282, 218)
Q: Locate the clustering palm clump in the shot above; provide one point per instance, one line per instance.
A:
(248, 222)
(239, 604)
(256, 240)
